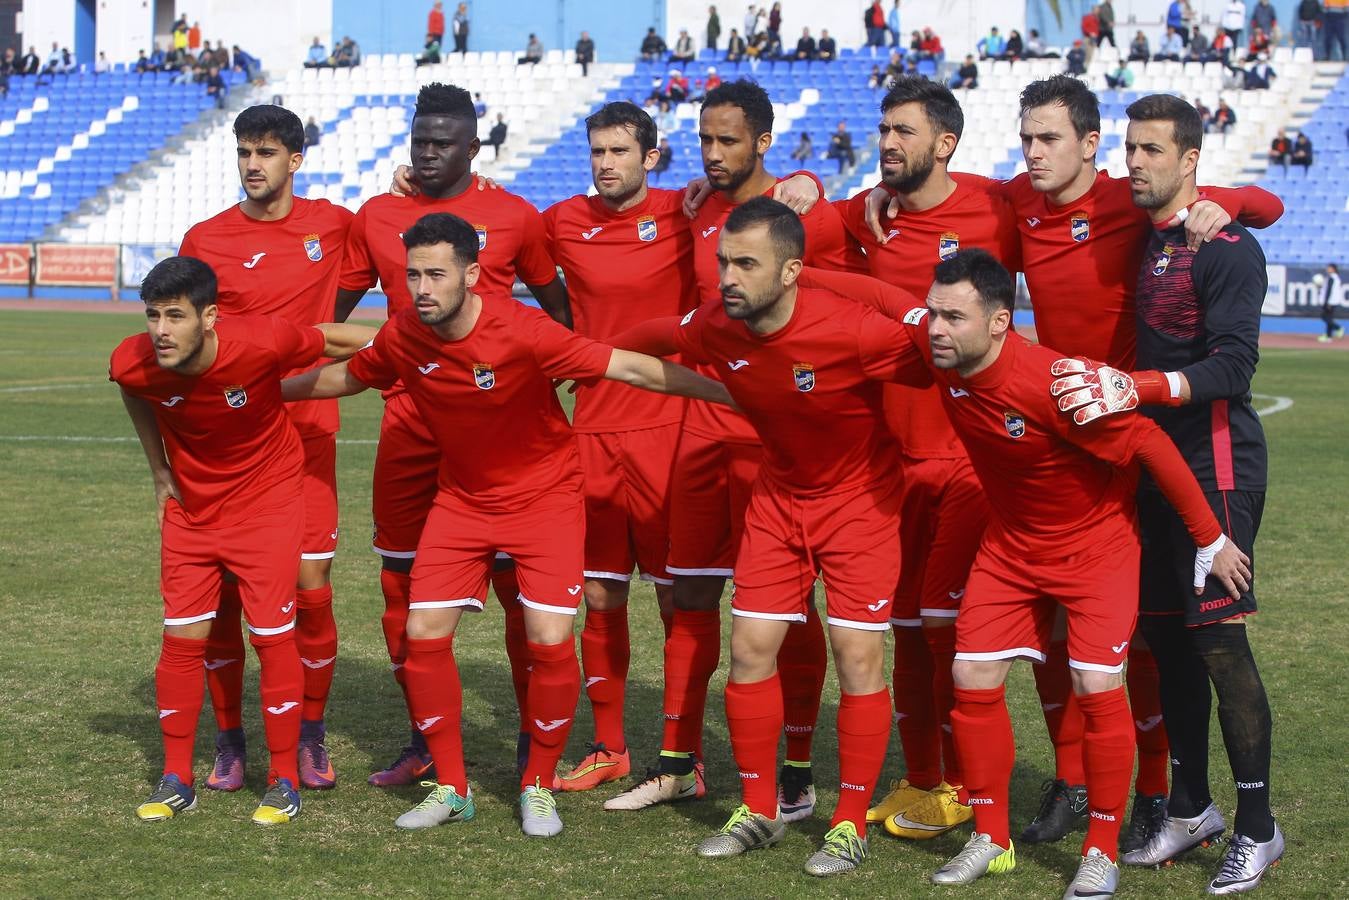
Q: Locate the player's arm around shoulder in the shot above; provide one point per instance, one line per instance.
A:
(341, 340)
(664, 377)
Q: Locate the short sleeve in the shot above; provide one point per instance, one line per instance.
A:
(373, 364)
(358, 269)
(296, 346)
(189, 245)
(534, 260)
(689, 335)
(562, 353)
(122, 368)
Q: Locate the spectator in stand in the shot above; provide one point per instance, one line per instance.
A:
(752, 18)
(1139, 51)
(533, 51)
(840, 147)
(318, 55)
(1332, 294)
(246, 63)
(435, 21)
(1035, 45)
(712, 80)
(1302, 152)
(932, 48)
(775, 21)
(194, 37)
(1280, 149)
(1016, 47)
(1220, 48)
(895, 67)
(1265, 19)
(159, 60)
(653, 45)
(665, 120)
(675, 89)
(346, 55)
(804, 149)
(430, 52)
(1205, 115)
(460, 26)
(6, 70)
(479, 106)
(1077, 59)
(180, 41)
(1199, 50)
(1308, 23)
(877, 79)
(101, 65)
(967, 76)
(805, 46)
(9, 62)
(1187, 19)
(1335, 24)
(991, 45)
(29, 64)
(1259, 45)
(497, 136)
(873, 19)
(312, 133)
(216, 87)
(665, 160)
(1172, 47)
(826, 50)
(585, 53)
(713, 28)
(1224, 118)
(142, 63)
(54, 60)
(910, 70)
(684, 52)
(1121, 79)
(1233, 20)
(1091, 30)
(1259, 76)
(1175, 15)
(1105, 17)
(188, 74)
(735, 47)
(892, 24)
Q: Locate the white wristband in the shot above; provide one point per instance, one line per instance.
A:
(1173, 380)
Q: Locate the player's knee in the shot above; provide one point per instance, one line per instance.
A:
(1091, 682)
(393, 564)
(697, 593)
(314, 573)
(262, 639)
(605, 593)
(937, 622)
(196, 631)
(431, 624)
(859, 659)
(547, 627)
(976, 675)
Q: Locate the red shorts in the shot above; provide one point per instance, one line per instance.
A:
(1010, 603)
(941, 522)
(262, 552)
(848, 539)
(407, 463)
(627, 482)
(713, 482)
(320, 497)
(546, 540)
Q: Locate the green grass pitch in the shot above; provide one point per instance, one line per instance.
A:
(79, 745)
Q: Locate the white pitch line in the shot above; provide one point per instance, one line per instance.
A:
(1280, 404)
(28, 389)
(93, 439)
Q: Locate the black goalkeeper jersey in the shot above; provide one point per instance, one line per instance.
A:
(1199, 314)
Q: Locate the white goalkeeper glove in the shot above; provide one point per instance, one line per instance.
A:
(1090, 390)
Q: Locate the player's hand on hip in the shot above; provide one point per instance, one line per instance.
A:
(1090, 390)
(1224, 561)
(695, 193)
(166, 489)
(404, 184)
(799, 192)
(880, 202)
(1204, 221)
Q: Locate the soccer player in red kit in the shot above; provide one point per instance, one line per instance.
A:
(484, 365)
(512, 241)
(1063, 530)
(944, 511)
(228, 465)
(277, 254)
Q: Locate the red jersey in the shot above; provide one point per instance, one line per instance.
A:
(226, 432)
(917, 242)
(827, 246)
(287, 267)
(511, 242)
(812, 388)
(1084, 302)
(623, 268)
(488, 398)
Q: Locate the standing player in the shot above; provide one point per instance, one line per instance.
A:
(511, 241)
(1198, 337)
(484, 365)
(944, 510)
(204, 396)
(277, 254)
(1062, 531)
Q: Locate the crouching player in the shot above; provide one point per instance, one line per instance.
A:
(205, 398)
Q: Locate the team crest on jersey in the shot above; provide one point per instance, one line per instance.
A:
(235, 395)
(484, 376)
(482, 237)
(312, 248)
(1014, 422)
(948, 245)
(1163, 260)
(646, 228)
(804, 376)
(1079, 226)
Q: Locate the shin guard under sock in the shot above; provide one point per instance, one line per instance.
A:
(554, 687)
(1108, 747)
(863, 733)
(281, 684)
(915, 717)
(987, 748)
(437, 701)
(691, 656)
(316, 642)
(1145, 703)
(754, 716)
(179, 696)
(802, 662)
(605, 654)
(225, 659)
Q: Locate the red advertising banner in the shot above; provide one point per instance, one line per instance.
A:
(14, 263)
(92, 265)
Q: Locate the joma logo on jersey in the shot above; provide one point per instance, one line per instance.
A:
(484, 376)
(312, 248)
(1014, 422)
(235, 395)
(646, 228)
(482, 237)
(1163, 260)
(948, 245)
(804, 376)
(1079, 226)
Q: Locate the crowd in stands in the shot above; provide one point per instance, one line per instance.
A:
(346, 53)
(1298, 151)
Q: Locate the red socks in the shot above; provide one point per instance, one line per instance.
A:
(282, 690)
(913, 681)
(1063, 718)
(754, 714)
(941, 645)
(987, 748)
(692, 653)
(178, 693)
(863, 732)
(397, 588)
(802, 661)
(437, 702)
(1145, 699)
(316, 642)
(507, 588)
(605, 653)
(553, 689)
(224, 655)
(1109, 750)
